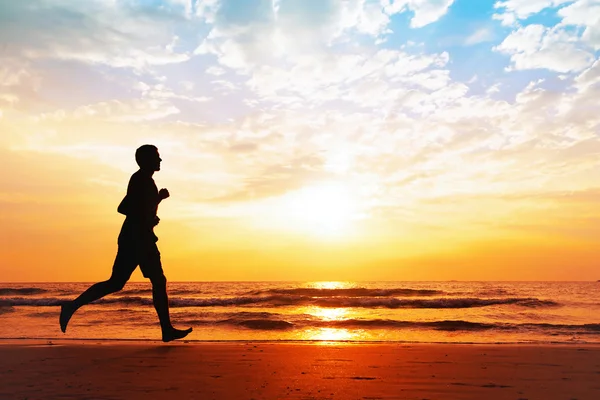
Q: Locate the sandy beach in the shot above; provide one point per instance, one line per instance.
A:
(261, 370)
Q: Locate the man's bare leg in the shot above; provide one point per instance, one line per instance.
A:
(94, 292)
(161, 304)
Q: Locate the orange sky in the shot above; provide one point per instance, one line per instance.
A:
(354, 146)
(60, 226)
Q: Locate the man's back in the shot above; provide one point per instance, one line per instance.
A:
(140, 207)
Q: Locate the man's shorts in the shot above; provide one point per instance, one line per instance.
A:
(130, 255)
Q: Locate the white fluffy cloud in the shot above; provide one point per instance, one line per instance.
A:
(265, 31)
(425, 11)
(297, 52)
(568, 46)
(514, 10)
(536, 46)
(584, 13)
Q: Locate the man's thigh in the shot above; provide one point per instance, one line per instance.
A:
(124, 265)
(150, 262)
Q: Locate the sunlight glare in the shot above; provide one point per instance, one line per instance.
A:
(326, 209)
(331, 285)
(328, 314)
(330, 334)
(339, 162)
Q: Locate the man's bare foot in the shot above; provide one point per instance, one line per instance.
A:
(174, 334)
(66, 312)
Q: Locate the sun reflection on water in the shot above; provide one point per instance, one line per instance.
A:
(327, 314)
(330, 334)
(325, 335)
(331, 285)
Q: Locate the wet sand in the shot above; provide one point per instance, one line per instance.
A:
(258, 370)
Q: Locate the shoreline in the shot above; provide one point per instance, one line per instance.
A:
(57, 341)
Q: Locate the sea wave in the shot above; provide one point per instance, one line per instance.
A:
(261, 324)
(148, 292)
(43, 314)
(280, 322)
(21, 291)
(444, 303)
(349, 292)
(6, 309)
(134, 292)
(444, 325)
(460, 325)
(494, 292)
(284, 300)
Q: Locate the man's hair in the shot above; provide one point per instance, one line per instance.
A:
(143, 153)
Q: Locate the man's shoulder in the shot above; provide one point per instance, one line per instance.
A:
(140, 177)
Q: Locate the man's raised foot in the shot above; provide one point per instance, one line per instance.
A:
(66, 312)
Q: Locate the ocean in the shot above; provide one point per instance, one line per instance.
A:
(431, 312)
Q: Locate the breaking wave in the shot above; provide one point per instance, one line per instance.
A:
(272, 321)
(351, 292)
(285, 300)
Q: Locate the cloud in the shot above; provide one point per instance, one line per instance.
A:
(356, 78)
(275, 180)
(260, 33)
(301, 53)
(589, 77)
(134, 111)
(536, 46)
(514, 10)
(425, 11)
(214, 70)
(19, 83)
(584, 13)
(156, 102)
(563, 47)
(119, 34)
(481, 35)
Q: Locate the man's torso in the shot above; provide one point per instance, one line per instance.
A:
(140, 207)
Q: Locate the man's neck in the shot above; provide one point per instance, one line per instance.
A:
(147, 172)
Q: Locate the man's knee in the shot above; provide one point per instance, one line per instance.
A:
(116, 283)
(158, 280)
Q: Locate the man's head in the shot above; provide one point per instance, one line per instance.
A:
(147, 157)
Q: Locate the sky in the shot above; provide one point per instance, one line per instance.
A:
(304, 139)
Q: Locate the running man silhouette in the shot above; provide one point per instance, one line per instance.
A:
(136, 246)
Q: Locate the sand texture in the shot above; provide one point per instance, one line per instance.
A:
(152, 370)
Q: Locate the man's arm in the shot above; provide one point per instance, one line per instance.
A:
(124, 207)
(163, 194)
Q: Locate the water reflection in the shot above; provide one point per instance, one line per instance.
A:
(330, 334)
(332, 285)
(328, 314)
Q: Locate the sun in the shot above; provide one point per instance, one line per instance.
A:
(324, 209)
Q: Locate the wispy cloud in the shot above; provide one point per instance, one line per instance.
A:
(481, 35)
